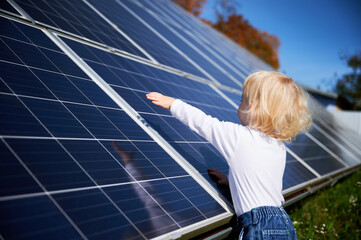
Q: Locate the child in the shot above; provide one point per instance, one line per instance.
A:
(273, 109)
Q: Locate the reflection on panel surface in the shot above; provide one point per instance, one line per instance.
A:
(74, 164)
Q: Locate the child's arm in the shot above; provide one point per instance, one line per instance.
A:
(223, 135)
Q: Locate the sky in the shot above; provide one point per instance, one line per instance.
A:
(313, 35)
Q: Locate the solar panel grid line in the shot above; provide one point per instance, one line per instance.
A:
(120, 31)
(195, 48)
(335, 142)
(139, 120)
(168, 42)
(326, 149)
(44, 190)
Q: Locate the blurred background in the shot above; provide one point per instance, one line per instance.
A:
(317, 43)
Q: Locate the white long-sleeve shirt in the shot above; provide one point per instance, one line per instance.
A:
(256, 161)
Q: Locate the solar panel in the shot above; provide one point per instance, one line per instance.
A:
(86, 155)
(295, 173)
(349, 146)
(144, 79)
(320, 159)
(77, 18)
(64, 153)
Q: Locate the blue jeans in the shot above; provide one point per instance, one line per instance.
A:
(266, 223)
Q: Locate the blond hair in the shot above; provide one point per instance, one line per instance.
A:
(277, 105)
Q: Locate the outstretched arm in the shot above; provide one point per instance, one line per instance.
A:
(223, 135)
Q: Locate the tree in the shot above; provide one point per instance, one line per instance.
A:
(192, 6)
(349, 85)
(262, 44)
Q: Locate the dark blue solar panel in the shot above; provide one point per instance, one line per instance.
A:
(242, 62)
(50, 163)
(334, 147)
(77, 18)
(195, 149)
(13, 177)
(96, 215)
(145, 37)
(189, 46)
(295, 173)
(235, 97)
(16, 119)
(17, 220)
(345, 144)
(315, 156)
(62, 134)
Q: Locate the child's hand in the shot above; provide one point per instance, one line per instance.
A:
(218, 177)
(160, 100)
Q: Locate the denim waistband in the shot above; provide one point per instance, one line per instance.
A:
(252, 217)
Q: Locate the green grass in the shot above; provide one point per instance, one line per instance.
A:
(331, 213)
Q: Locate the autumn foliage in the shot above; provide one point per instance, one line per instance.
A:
(262, 44)
(192, 6)
(236, 27)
